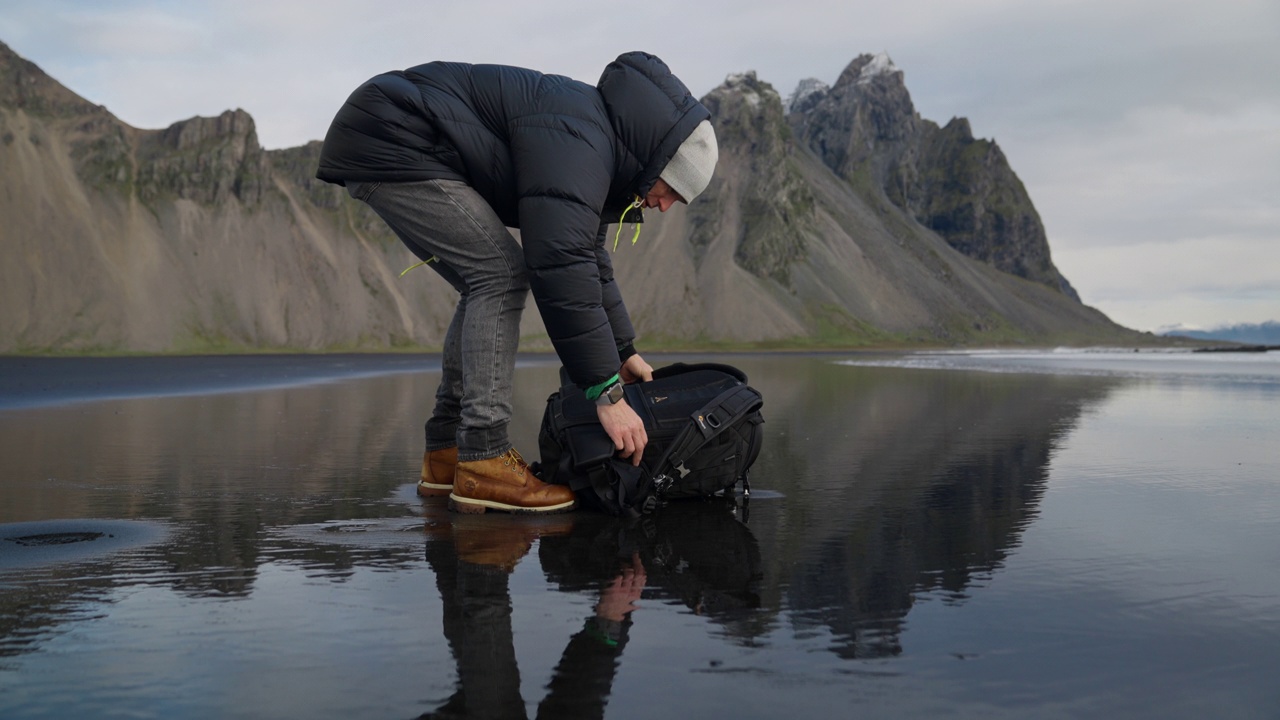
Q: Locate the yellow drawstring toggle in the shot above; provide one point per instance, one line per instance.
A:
(635, 205)
(418, 265)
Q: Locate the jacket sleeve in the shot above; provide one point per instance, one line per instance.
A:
(562, 181)
(583, 679)
(624, 333)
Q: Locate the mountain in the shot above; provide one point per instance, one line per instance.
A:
(1267, 333)
(867, 131)
(190, 238)
(194, 238)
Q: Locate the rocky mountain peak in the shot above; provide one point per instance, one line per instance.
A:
(753, 90)
(775, 206)
(748, 116)
(205, 159)
(25, 86)
(866, 130)
(860, 127)
(808, 93)
(235, 126)
(866, 69)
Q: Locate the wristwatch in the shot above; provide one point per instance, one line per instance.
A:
(611, 394)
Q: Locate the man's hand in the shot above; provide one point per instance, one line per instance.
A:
(635, 369)
(619, 598)
(625, 429)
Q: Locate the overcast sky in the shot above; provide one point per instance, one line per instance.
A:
(1146, 131)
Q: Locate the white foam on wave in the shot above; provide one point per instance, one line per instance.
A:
(1263, 368)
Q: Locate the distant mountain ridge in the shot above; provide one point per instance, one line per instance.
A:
(1267, 333)
(848, 221)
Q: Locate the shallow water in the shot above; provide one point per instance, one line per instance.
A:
(964, 534)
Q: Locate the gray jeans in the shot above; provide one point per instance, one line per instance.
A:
(483, 262)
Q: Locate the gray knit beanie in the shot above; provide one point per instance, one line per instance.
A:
(689, 171)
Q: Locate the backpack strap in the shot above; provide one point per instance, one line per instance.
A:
(705, 424)
(681, 368)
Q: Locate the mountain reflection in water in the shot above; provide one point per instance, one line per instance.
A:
(899, 483)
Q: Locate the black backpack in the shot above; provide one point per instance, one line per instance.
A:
(704, 428)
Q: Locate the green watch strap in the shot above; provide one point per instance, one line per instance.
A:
(594, 391)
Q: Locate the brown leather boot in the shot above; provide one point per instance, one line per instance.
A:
(505, 483)
(437, 472)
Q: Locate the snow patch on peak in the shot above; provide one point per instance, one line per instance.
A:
(881, 64)
(807, 88)
(747, 83)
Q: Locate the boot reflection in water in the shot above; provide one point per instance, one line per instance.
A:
(472, 558)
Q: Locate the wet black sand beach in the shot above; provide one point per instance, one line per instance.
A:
(968, 535)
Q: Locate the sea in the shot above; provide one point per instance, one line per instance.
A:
(998, 534)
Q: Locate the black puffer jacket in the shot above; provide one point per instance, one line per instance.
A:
(554, 157)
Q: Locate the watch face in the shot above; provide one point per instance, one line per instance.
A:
(615, 392)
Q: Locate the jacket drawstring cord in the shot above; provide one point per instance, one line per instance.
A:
(415, 266)
(635, 205)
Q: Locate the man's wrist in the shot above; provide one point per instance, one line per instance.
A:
(612, 395)
(605, 630)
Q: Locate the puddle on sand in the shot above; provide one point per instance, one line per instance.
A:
(49, 542)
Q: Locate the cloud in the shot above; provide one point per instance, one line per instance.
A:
(1141, 284)
(1125, 182)
(1165, 212)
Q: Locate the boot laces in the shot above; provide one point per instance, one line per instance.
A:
(514, 461)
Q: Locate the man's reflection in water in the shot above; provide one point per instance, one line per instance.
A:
(698, 552)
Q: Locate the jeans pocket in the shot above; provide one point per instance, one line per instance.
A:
(362, 190)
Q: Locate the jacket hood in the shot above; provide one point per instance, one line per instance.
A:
(651, 111)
